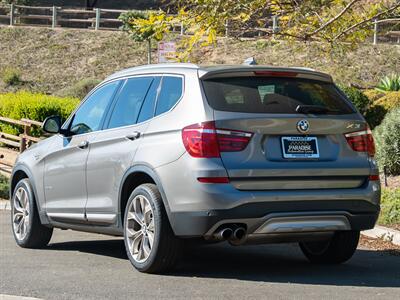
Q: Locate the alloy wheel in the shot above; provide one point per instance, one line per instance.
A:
(139, 228)
(21, 213)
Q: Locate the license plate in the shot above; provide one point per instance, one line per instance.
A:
(300, 147)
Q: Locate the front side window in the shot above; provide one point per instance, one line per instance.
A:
(171, 92)
(129, 101)
(90, 114)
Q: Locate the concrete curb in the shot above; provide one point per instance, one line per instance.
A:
(5, 204)
(381, 232)
(12, 297)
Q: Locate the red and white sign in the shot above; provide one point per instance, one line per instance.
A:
(166, 52)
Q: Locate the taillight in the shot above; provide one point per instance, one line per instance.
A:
(361, 141)
(232, 140)
(204, 140)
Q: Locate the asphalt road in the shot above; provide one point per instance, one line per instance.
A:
(89, 266)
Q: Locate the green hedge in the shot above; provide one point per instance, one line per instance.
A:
(32, 106)
(4, 187)
(390, 207)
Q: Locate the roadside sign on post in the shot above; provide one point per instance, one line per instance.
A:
(166, 52)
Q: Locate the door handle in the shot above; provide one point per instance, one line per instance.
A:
(133, 136)
(83, 145)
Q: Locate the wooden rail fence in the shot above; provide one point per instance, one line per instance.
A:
(21, 141)
(96, 18)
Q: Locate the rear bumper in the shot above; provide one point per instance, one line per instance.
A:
(361, 215)
(195, 208)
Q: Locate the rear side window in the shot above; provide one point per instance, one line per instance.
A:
(272, 95)
(149, 103)
(129, 102)
(171, 92)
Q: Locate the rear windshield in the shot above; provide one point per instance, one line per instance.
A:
(272, 95)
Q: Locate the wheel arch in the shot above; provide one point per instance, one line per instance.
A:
(133, 177)
(21, 171)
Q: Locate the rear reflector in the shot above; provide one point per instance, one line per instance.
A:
(213, 179)
(361, 141)
(373, 177)
(275, 73)
(204, 140)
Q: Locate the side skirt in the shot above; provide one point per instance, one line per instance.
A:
(108, 230)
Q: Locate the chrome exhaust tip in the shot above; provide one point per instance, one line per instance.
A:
(239, 233)
(223, 234)
(226, 233)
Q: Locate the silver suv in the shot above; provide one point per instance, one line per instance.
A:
(162, 154)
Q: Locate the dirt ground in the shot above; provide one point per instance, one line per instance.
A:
(379, 244)
(392, 181)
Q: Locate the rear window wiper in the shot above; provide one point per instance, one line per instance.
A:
(315, 109)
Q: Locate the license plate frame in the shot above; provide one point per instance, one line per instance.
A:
(300, 147)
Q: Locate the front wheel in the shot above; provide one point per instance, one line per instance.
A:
(149, 240)
(338, 249)
(27, 229)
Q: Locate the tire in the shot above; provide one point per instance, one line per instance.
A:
(162, 254)
(338, 249)
(26, 227)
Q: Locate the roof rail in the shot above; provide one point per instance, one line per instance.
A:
(152, 66)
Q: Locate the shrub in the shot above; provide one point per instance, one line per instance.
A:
(387, 139)
(80, 89)
(33, 106)
(11, 76)
(4, 187)
(390, 207)
(389, 101)
(373, 95)
(373, 113)
(381, 104)
(360, 101)
(389, 83)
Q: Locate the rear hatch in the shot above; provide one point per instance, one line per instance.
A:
(298, 123)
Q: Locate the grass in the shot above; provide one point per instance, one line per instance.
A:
(52, 60)
(4, 187)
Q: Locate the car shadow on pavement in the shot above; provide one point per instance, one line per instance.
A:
(285, 263)
(282, 263)
(110, 248)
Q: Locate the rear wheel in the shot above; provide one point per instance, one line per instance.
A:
(149, 240)
(27, 229)
(338, 249)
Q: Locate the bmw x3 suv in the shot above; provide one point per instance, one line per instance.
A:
(163, 154)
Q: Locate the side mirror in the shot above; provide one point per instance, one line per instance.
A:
(52, 124)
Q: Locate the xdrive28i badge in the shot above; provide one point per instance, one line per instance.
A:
(303, 126)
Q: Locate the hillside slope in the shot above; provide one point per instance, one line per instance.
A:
(50, 60)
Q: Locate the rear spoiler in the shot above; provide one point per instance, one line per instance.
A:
(249, 71)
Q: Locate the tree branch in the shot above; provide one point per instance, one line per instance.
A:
(344, 32)
(346, 8)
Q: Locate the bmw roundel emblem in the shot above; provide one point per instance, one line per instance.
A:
(303, 126)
